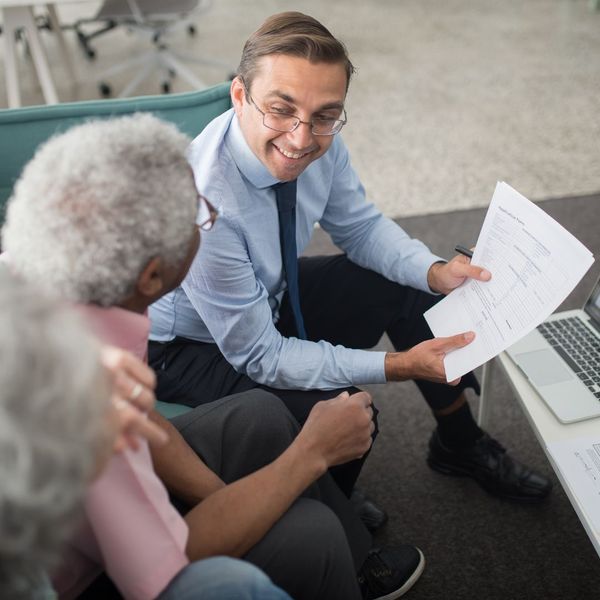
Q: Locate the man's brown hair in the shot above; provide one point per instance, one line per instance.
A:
(292, 34)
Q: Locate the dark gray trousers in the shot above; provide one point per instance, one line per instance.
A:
(317, 546)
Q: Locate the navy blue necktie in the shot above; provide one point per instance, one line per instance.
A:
(286, 205)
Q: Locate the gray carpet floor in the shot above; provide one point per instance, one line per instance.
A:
(477, 546)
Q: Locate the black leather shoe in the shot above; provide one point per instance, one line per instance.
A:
(487, 462)
(370, 514)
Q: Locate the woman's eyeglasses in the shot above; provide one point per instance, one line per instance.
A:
(207, 214)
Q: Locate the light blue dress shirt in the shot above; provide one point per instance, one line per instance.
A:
(232, 292)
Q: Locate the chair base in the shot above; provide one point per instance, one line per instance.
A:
(163, 59)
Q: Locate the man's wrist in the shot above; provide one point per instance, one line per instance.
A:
(396, 366)
(431, 275)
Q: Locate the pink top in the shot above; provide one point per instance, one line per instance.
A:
(131, 529)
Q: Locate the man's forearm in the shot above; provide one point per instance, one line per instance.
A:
(179, 467)
(235, 518)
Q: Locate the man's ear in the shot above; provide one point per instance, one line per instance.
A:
(150, 283)
(238, 93)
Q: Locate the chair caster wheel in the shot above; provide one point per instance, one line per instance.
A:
(166, 87)
(91, 54)
(105, 90)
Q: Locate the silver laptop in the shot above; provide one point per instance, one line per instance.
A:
(561, 359)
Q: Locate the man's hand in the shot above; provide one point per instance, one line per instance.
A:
(444, 277)
(133, 396)
(425, 360)
(338, 430)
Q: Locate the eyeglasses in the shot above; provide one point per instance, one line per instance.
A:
(207, 214)
(289, 123)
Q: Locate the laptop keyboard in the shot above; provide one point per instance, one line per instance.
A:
(579, 348)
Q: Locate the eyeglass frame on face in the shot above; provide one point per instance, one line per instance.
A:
(297, 120)
(213, 213)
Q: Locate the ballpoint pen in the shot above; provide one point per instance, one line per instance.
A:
(463, 250)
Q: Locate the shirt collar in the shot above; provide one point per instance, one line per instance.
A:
(246, 161)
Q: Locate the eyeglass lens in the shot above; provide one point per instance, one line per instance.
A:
(287, 123)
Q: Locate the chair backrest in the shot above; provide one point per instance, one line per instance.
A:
(22, 130)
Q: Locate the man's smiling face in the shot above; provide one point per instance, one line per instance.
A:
(290, 85)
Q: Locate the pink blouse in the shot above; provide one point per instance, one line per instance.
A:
(131, 530)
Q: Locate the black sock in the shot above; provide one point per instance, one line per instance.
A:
(458, 429)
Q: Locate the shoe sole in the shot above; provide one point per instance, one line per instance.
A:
(454, 471)
(409, 582)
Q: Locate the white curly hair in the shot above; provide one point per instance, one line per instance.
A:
(97, 203)
(54, 402)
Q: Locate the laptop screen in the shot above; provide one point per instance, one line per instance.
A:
(592, 306)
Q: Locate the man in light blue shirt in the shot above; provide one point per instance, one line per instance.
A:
(231, 324)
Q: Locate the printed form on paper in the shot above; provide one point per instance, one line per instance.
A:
(535, 263)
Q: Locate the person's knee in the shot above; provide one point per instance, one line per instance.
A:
(222, 578)
(321, 539)
(257, 430)
(263, 411)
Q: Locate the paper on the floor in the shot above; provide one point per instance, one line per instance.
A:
(578, 461)
(535, 264)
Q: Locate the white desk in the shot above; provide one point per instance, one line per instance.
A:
(543, 422)
(18, 14)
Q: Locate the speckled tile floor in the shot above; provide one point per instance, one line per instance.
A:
(450, 95)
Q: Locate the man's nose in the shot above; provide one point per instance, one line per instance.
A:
(302, 136)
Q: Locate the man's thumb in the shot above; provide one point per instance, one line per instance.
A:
(459, 341)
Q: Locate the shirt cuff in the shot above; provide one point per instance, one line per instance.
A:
(368, 367)
(421, 268)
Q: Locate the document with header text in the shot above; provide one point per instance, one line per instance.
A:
(535, 263)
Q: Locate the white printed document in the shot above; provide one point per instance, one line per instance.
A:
(535, 263)
(578, 461)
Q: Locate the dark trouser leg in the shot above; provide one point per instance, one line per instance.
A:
(306, 554)
(346, 304)
(239, 434)
(194, 373)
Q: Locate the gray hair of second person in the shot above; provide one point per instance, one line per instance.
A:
(293, 34)
(97, 203)
(54, 402)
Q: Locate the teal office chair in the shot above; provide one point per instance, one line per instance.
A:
(23, 129)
